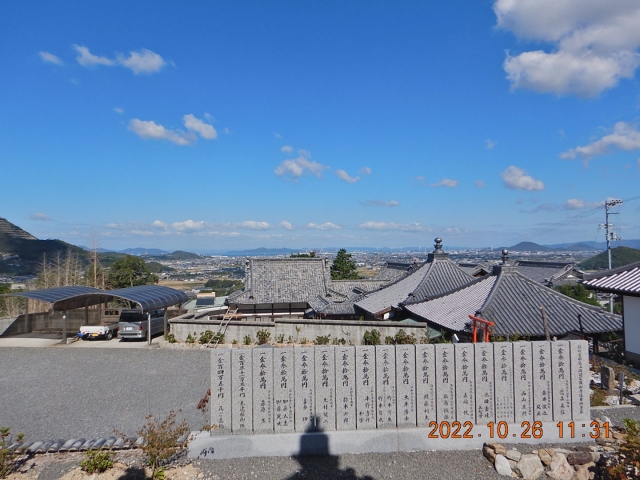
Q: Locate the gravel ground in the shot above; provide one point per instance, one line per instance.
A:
(51, 393)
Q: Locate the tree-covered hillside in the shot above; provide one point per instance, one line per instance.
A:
(620, 256)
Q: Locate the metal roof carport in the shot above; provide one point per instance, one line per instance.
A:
(147, 297)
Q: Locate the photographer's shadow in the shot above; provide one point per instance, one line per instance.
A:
(316, 462)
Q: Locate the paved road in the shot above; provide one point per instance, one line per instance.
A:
(79, 392)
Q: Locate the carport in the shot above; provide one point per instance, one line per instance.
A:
(62, 299)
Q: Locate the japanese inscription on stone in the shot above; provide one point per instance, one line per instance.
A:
(485, 394)
(523, 381)
(406, 385)
(386, 386)
(242, 393)
(503, 371)
(366, 387)
(283, 390)
(345, 388)
(325, 388)
(305, 392)
(561, 380)
(426, 384)
(263, 390)
(542, 396)
(445, 383)
(580, 380)
(465, 382)
(220, 401)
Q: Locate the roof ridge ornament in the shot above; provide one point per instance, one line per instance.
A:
(505, 256)
(438, 245)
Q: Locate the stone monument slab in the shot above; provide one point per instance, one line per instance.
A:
(345, 388)
(263, 390)
(283, 414)
(580, 379)
(523, 381)
(561, 380)
(465, 382)
(426, 384)
(542, 384)
(220, 401)
(365, 387)
(485, 384)
(504, 381)
(445, 383)
(325, 388)
(608, 378)
(386, 385)
(304, 389)
(406, 385)
(242, 391)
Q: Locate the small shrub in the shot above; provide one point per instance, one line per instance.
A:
(97, 461)
(191, 338)
(8, 458)
(388, 340)
(304, 340)
(338, 341)
(247, 340)
(629, 454)
(322, 340)
(280, 338)
(290, 339)
(598, 398)
(210, 337)
(235, 342)
(161, 440)
(371, 337)
(170, 337)
(263, 337)
(403, 338)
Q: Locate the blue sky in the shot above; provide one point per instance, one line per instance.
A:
(208, 126)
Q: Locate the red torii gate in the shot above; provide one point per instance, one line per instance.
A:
(487, 330)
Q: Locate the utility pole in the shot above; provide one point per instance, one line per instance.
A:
(611, 235)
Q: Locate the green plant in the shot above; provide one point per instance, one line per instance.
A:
(290, 339)
(371, 337)
(170, 337)
(247, 340)
(322, 340)
(338, 341)
(629, 455)
(97, 461)
(234, 342)
(191, 338)
(598, 397)
(161, 438)
(8, 458)
(263, 337)
(280, 338)
(208, 337)
(304, 340)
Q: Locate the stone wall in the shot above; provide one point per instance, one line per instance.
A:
(499, 390)
(298, 329)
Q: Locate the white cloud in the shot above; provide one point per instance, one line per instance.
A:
(286, 225)
(365, 171)
(50, 58)
(142, 61)
(446, 182)
(118, 110)
(188, 226)
(296, 167)
(517, 179)
(287, 149)
(324, 226)
(490, 144)
(380, 203)
(252, 225)
(404, 227)
(86, 58)
(345, 176)
(144, 233)
(208, 116)
(624, 136)
(159, 224)
(577, 204)
(595, 44)
(118, 226)
(480, 184)
(151, 130)
(41, 217)
(205, 130)
(226, 131)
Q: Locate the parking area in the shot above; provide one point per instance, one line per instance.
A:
(40, 340)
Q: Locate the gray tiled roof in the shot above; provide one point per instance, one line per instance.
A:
(393, 270)
(283, 280)
(353, 288)
(625, 280)
(329, 307)
(436, 276)
(513, 302)
(546, 272)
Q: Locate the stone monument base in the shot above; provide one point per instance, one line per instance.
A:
(206, 446)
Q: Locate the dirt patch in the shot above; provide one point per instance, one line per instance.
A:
(128, 465)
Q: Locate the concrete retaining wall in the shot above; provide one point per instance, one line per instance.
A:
(352, 331)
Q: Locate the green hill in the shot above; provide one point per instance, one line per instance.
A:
(620, 256)
(21, 252)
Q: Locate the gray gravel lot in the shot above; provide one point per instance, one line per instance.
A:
(64, 392)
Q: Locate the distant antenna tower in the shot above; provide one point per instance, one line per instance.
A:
(611, 235)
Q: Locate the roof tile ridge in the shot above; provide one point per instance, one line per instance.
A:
(396, 281)
(450, 292)
(493, 292)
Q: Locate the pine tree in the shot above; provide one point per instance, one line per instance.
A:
(343, 267)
